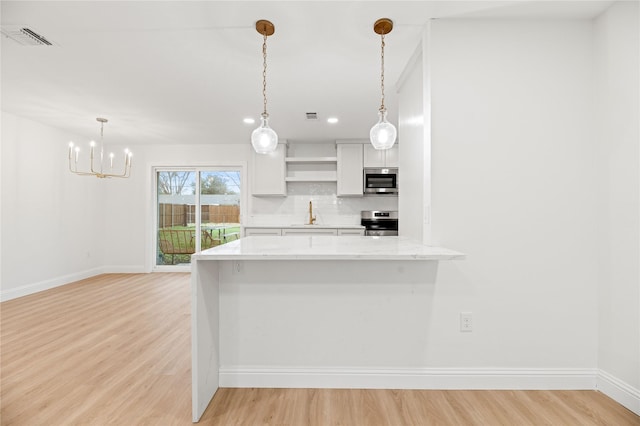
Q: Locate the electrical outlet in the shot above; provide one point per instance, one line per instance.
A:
(466, 321)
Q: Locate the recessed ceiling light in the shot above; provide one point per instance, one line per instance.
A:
(332, 120)
(248, 121)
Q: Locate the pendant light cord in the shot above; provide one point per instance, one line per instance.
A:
(382, 108)
(264, 74)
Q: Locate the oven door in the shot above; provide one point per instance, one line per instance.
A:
(380, 227)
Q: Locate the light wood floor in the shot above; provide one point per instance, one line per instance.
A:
(115, 349)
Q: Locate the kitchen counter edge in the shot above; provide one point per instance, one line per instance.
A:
(327, 248)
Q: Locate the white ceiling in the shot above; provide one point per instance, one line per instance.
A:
(188, 72)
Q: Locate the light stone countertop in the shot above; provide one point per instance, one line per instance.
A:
(326, 248)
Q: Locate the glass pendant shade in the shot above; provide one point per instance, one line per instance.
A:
(383, 134)
(264, 139)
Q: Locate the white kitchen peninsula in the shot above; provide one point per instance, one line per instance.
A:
(276, 304)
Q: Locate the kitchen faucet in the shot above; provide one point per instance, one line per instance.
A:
(312, 218)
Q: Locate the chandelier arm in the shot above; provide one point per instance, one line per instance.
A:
(71, 168)
(75, 171)
(91, 162)
(126, 172)
(84, 173)
(109, 175)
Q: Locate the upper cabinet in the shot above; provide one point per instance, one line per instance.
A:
(269, 171)
(349, 169)
(306, 167)
(380, 158)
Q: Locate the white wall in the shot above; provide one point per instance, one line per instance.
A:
(514, 186)
(618, 69)
(415, 130)
(513, 175)
(52, 221)
(1, 180)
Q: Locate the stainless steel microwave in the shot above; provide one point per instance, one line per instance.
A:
(381, 181)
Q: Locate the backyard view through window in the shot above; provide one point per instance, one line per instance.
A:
(197, 209)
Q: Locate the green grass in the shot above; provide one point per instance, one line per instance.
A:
(184, 242)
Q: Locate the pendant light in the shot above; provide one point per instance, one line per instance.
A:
(264, 139)
(383, 134)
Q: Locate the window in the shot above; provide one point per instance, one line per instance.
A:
(196, 209)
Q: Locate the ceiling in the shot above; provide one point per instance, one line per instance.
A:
(188, 72)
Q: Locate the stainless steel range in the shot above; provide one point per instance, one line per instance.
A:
(379, 222)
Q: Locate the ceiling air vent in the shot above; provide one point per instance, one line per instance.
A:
(312, 115)
(25, 36)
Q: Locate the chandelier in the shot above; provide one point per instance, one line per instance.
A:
(382, 134)
(264, 139)
(99, 169)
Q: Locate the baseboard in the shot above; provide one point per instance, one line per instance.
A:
(619, 391)
(426, 378)
(124, 269)
(28, 289)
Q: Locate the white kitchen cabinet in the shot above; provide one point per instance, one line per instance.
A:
(350, 161)
(287, 232)
(271, 232)
(380, 157)
(252, 231)
(350, 232)
(269, 172)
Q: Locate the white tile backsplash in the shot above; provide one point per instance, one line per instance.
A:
(328, 208)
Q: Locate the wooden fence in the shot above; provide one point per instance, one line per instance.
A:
(184, 214)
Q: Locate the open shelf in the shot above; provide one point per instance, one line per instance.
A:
(311, 160)
(311, 164)
(311, 179)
